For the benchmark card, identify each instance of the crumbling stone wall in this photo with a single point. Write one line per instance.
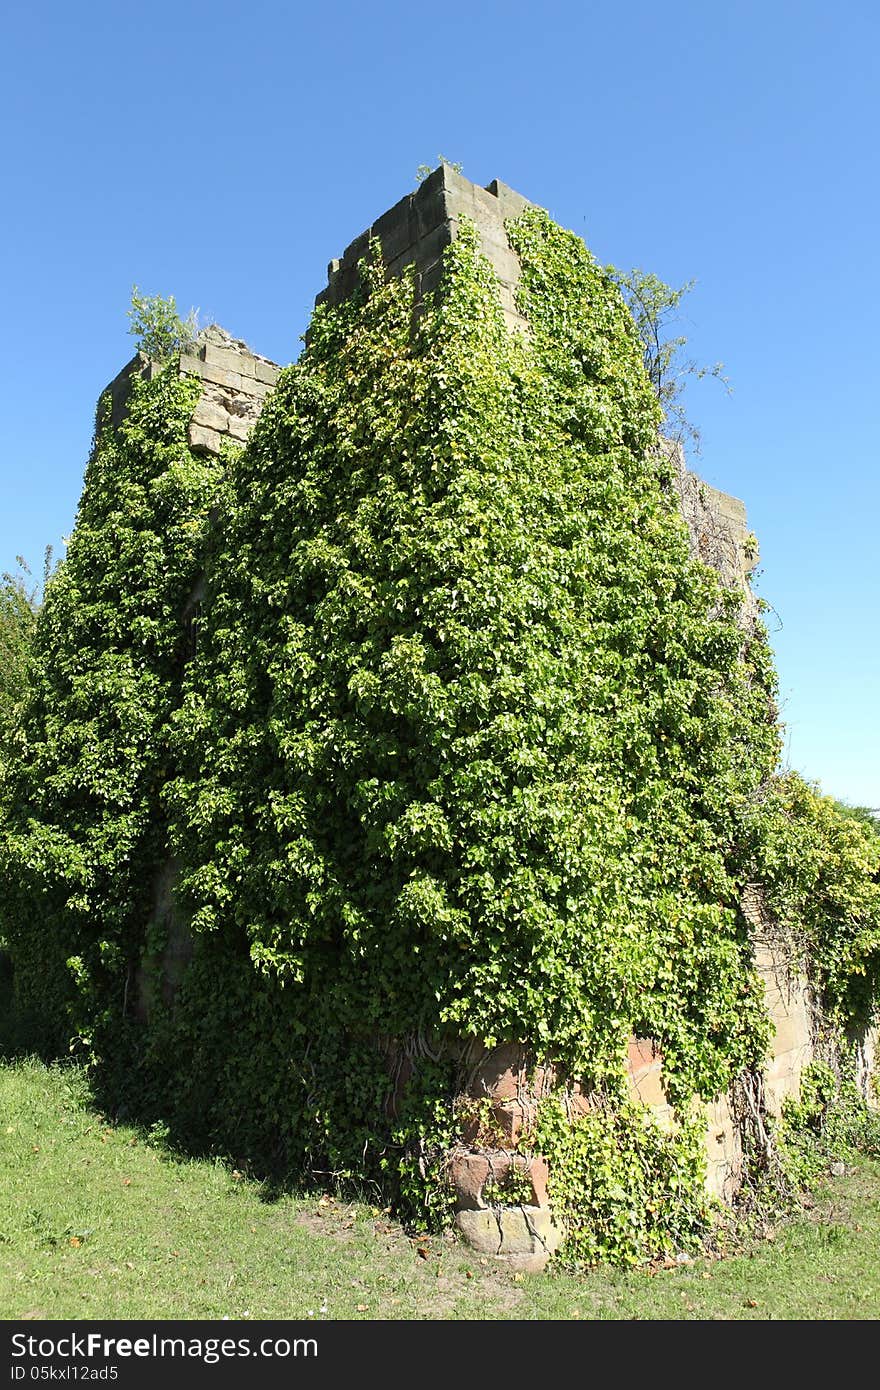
(235, 384)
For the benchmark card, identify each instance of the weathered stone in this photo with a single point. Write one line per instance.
(645, 1073)
(469, 1173)
(539, 1175)
(266, 371)
(191, 366)
(210, 371)
(480, 1229)
(723, 1149)
(516, 1232)
(509, 1118)
(239, 427)
(209, 440)
(418, 228)
(217, 356)
(394, 230)
(211, 415)
(478, 1177)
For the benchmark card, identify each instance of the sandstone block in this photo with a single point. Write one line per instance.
(512, 1231)
(191, 366)
(205, 439)
(240, 427)
(481, 1231)
(212, 415)
(508, 1116)
(394, 230)
(217, 356)
(469, 1173)
(792, 1034)
(429, 205)
(479, 1176)
(645, 1074)
(218, 376)
(510, 203)
(266, 371)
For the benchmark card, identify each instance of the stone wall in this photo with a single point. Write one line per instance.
(235, 383)
(416, 231)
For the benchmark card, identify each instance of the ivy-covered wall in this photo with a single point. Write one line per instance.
(467, 748)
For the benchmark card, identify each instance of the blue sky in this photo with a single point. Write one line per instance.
(224, 153)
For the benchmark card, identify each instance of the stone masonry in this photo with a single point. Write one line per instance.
(416, 231)
(235, 384)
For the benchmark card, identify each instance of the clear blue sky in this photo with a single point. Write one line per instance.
(224, 153)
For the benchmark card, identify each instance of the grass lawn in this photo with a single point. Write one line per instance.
(97, 1221)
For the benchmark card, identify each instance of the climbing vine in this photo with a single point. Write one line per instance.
(821, 867)
(82, 831)
(469, 749)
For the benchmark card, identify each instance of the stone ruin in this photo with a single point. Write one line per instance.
(235, 384)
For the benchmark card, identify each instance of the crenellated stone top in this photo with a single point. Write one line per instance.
(418, 229)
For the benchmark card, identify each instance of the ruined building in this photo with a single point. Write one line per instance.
(499, 1082)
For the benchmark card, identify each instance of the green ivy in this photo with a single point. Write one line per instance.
(829, 1121)
(471, 748)
(83, 833)
(623, 1188)
(821, 867)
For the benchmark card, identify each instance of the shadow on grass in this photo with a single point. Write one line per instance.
(24, 1035)
(21, 1034)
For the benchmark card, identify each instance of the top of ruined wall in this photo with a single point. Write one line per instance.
(718, 529)
(235, 383)
(415, 233)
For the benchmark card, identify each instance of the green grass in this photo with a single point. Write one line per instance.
(97, 1220)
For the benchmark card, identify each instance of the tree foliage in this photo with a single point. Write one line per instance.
(654, 306)
(821, 867)
(158, 326)
(83, 832)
